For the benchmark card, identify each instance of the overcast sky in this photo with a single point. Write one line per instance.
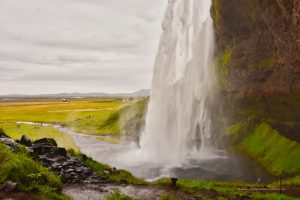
(53, 46)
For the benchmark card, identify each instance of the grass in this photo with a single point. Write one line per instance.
(93, 116)
(221, 190)
(35, 132)
(167, 197)
(128, 119)
(56, 111)
(233, 129)
(29, 175)
(85, 116)
(277, 153)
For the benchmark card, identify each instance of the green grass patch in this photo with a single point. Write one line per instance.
(30, 175)
(128, 119)
(234, 129)
(168, 197)
(222, 189)
(277, 153)
(292, 181)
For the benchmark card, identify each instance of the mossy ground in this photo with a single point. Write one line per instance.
(29, 175)
(275, 152)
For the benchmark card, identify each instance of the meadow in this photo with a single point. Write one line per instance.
(86, 115)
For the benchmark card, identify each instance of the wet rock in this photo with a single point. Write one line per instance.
(46, 141)
(41, 149)
(9, 186)
(25, 141)
(174, 181)
(69, 170)
(87, 171)
(9, 142)
(60, 151)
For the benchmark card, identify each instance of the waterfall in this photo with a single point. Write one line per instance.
(178, 123)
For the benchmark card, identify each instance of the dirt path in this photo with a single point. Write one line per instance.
(95, 192)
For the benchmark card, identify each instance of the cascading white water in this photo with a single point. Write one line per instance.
(178, 124)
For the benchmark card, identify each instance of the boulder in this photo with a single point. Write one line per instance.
(41, 149)
(8, 142)
(46, 141)
(25, 141)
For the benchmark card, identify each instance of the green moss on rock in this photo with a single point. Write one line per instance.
(217, 15)
(265, 63)
(223, 61)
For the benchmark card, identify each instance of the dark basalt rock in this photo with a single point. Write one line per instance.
(9, 142)
(46, 141)
(45, 150)
(9, 186)
(25, 141)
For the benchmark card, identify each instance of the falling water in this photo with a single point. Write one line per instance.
(178, 124)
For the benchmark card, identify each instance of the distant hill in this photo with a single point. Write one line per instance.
(140, 93)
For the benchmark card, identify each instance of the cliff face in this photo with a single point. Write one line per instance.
(258, 44)
(258, 62)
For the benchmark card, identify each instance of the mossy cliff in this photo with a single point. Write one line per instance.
(258, 61)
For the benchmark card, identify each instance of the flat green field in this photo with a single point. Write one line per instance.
(86, 116)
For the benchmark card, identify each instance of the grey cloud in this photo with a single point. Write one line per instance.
(90, 45)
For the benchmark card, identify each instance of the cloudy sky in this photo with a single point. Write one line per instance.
(53, 46)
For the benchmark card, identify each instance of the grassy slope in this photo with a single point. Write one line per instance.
(272, 150)
(30, 175)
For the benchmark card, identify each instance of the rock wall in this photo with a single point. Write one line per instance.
(258, 65)
(258, 46)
